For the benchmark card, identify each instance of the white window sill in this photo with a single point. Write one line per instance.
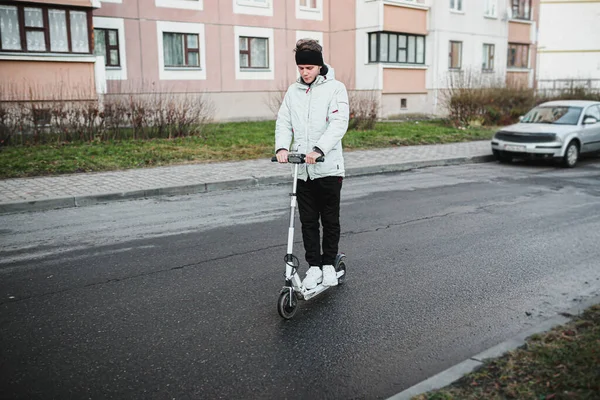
(181, 4)
(308, 9)
(407, 4)
(521, 21)
(490, 16)
(252, 4)
(249, 8)
(487, 71)
(85, 58)
(403, 66)
(512, 69)
(457, 12)
(183, 69)
(265, 70)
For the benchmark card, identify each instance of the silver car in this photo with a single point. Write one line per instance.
(558, 129)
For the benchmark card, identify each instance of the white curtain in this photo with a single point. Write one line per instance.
(173, 49)
(58, 30)
(9, 26)
(36, 40)
(99, 44)
(34, 17)
(79, 32)
(259, 53)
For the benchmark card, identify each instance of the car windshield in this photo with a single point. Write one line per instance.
(559, 115)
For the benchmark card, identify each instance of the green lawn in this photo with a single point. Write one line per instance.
(221, 142)
(561, 364)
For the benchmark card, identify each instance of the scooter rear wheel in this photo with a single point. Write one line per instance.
(341, 266)
(287, 308)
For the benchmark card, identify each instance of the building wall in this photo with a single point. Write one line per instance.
(23, 80)
(218, 23)
(48, 76)
(573, 51)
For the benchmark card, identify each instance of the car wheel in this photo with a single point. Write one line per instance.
(571, 155)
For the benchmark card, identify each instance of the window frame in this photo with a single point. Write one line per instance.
(518, 5)
(110, 47)
(450, 67)
(488, 6)
(249, 53)
(186, 51)
(378, 35)
(455, 8)
(309, 8)
(46, 29)
(518, 45)
(490, 59)
(181, 73)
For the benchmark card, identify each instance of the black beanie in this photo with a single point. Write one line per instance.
(309, 57)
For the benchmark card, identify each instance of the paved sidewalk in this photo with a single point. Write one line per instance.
(43, 193)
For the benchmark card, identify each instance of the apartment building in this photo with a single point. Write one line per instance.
(239, 52)
(569, 44)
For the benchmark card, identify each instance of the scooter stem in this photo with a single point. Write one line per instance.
(290, 244)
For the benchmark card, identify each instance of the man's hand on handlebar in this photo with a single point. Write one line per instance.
(282, 156)
(311, 158)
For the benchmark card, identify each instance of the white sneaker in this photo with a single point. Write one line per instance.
(313, 277)
(329, 276)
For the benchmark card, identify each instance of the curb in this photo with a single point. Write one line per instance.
(454, 373)
(92, 199)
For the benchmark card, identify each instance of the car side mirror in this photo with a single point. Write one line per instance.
(521, 118)
(590, 121)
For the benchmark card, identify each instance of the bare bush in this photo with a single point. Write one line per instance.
(62, 118)
(364, 109)
(274, 99)
(473, 97)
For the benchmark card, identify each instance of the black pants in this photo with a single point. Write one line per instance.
(320, 199)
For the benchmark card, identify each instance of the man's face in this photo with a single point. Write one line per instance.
(308, 72)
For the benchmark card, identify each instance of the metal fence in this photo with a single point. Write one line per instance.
(557, 86)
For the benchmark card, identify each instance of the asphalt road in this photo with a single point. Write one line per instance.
(175, 298)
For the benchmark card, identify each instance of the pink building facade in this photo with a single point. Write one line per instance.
(238, 52)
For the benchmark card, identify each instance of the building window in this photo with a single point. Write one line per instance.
(254, 52)
(106, 44)
(456, 5)
(491, 7)
(455, 55)
(181, 50)
(521, 9)
(488, 57)
(518, 55)
(44, 29)
(309, 9)
(396, 48)
(309, 4)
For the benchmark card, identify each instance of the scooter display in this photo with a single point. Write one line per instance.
(293, 290)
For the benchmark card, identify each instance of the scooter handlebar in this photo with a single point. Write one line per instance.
(296, 158)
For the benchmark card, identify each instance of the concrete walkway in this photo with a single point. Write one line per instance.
(76, 190)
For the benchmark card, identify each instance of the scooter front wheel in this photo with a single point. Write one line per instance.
(287, 305)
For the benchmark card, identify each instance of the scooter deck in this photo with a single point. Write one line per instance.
(309, 294)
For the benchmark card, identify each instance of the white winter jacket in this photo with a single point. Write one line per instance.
(315, 116)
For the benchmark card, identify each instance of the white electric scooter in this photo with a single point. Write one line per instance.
(293, 289)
